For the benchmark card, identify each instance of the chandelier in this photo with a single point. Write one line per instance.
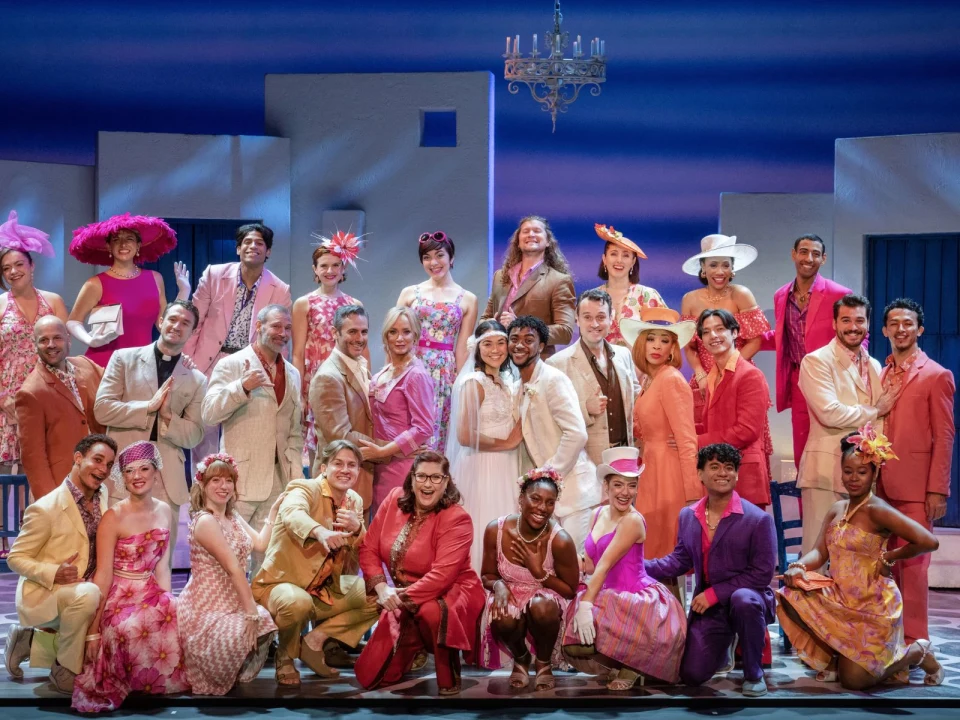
(555, 81)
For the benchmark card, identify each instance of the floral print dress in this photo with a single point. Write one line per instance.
(320, 343)
(637, 298)
(19, 358)
(139, 645)
(439, 327)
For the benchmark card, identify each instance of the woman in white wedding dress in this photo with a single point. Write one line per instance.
(484, 434)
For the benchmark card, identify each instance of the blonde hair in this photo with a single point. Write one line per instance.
(198, 495)
(639, 352)
(394, 314)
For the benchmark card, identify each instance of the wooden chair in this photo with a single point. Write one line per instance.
(779, 490)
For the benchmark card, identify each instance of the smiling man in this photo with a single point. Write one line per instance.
(55, 407)
(842, 387)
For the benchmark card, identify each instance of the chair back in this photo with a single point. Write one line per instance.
(14, 495)
(779, 490)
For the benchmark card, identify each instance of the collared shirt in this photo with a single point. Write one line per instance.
(357, 368)
(165, 369)
(277, 373)
(516, 281)
(716, 374)
(238, 336)
(321, 584)
(610, 387)
(862, 362)
(69, 378)
(91, 521)
(735, 506)
(795, 328)
(895, 376)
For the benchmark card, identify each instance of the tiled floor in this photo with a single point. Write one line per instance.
(789, 680)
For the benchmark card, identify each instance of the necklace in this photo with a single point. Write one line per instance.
(722, 295)
(531, 542)
(714, 526)
(845, 520)
(124, 276)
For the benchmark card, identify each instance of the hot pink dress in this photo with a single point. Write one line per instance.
(320, 343)
(139, 645)
(19, 358)
(139, 298)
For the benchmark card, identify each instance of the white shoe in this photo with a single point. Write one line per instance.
(19, 639)
(754, 688)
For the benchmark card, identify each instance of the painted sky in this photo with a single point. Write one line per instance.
(702, 97)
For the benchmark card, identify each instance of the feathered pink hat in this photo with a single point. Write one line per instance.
(89, 244)
(24, 238)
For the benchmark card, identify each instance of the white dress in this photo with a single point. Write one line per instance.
(486, 480)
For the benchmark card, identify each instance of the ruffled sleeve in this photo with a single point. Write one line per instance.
(753, 324)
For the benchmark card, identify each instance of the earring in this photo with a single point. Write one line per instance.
(732, 274)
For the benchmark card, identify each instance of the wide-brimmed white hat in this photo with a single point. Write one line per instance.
(658, 318)
(721, 246)
(624, 461)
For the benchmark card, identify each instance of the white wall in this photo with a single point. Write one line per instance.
(355, 145)
(771, 222)
(885, 185)
(56, 199)
(198, 177)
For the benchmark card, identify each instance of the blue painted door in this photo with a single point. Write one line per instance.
(925, 268)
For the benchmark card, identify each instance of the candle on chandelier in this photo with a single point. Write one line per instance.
(578, 48)
(557, 46)
(516, 45)
(508, 45)
(534, 43)
(603, 47)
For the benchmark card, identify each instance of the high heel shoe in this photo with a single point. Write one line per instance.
(935, 677)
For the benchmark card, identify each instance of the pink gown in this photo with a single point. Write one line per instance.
(139, 645)
(139, 299)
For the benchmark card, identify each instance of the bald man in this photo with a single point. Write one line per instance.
(55, 407)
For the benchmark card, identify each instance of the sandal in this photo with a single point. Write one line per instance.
(625, 680)
(287, 674)
(455, 690)
(520, 677)
(544, 679)
(829, 673)
(419, 661)
(935, 677)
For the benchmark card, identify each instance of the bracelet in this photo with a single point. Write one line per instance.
(545, 577)
(797, 564)
(267, 522)
(253, 617)
(888, 563)
(92, 636)
(698, 376)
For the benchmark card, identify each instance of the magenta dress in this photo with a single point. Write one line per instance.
(493, 654)
(403, 411)
(139, 645)
(320, 343)
(639, 623)
(140, 299)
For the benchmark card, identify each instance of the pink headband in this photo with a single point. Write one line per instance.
(626, 466)
(14, 236)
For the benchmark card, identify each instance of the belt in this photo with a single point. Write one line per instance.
(132, 575)
(230, 350)
(433, 345)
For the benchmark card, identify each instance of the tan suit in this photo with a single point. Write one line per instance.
(343, 413)
(546, 294)
(295, 561)
(51, 533)
(51, 423)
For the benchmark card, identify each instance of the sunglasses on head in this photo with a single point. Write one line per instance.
(439, 236)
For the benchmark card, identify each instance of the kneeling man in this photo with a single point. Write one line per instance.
(729, 543)
(55, 556)
(310, 570)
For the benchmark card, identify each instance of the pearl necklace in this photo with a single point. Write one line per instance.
(122, 276)
(539, 534)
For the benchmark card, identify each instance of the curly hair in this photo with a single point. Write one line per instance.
(407, 502)
(904, 304)
(721, 452)
(552, 256)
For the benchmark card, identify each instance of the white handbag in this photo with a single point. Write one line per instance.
(106, 321)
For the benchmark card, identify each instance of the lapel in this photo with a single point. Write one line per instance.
(353, 384)
(780, 312)
(292, 384)
(69, 508)
(582, 364)
(915, 368)
(227, 294)
(531, 280)
(527, 402)
(817, 291)
(725, 524)
(626, 385)
(723, 384)
(148, 366)
(267, 392)
(848, 365)
(54, 382)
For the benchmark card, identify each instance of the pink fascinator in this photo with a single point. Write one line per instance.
(89, 244)
(14, 236)
(546, 472)
(135, 452)
(345, 245)
(872, 446)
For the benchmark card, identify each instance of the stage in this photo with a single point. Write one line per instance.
(791, 685)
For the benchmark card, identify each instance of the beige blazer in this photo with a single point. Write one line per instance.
(128, 385)
(574, 363)
(256, 431)
(52, 531)
(839, 403)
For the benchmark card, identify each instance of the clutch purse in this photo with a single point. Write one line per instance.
(106, 320)
(813, 581)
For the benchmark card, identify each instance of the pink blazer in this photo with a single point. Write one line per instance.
(921, 428)
(819, 330)
(214, 298)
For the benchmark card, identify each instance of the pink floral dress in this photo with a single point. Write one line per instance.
(320, 343)
(19, 358)
(637, 298)
(139, 645)
(439, 327)
(211, 617)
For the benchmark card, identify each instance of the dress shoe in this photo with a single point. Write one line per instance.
(62, 678)
(19, 639)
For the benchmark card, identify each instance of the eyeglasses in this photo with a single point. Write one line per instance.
(423, 478)
(439, 236)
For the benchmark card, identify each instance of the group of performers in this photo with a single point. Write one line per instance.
(408, 517)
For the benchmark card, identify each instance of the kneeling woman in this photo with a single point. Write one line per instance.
(224, 633)
(530, 582)
(625, 621)
(132, 643)
(423, 536)
(852, 630)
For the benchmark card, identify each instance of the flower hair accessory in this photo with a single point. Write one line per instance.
(210, 460)
(547, 472)
(345, 245)
(872, 446)
(14, 236)
(473, 341)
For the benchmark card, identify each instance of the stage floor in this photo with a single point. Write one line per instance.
(790, 682)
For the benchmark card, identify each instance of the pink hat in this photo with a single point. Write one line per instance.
(89, 244)
(14, 236)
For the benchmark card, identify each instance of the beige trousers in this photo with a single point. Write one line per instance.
(255, 513)
(577, 525)
(816, 505)
(76, 606)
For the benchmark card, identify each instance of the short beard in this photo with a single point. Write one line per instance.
(532, 359)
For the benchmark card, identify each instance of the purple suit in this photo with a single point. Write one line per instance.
(740, 565)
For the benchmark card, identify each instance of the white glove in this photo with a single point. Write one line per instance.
(583, 623)
(76, 328)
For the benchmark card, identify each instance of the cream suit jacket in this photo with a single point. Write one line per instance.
(554, 434)
(574, 363)
(839, 403)
(128, 385)
(255, 429)
(52, 531)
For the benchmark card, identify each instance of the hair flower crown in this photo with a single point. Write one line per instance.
(547, 472)
(873, 446)
(210, 460)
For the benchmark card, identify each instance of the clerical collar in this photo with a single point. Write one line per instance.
(161, 356)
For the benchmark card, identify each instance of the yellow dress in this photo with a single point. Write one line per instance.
(860, 616)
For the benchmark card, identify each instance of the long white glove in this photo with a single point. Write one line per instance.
(76, 328)
(583, 623)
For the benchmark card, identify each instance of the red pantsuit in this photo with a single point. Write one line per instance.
(428, 559)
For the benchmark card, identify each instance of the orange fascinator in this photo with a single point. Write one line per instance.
(617, 238)
(872, 446)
